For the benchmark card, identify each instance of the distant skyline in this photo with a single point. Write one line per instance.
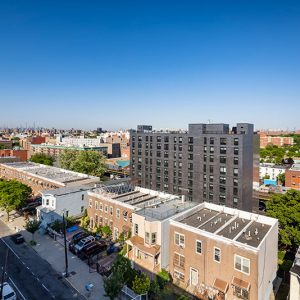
(116, 64)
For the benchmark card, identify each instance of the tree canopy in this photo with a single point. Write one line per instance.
(286, 208)
(41, 158)
(88, 162)
(13, 195)
(32, 226)
(275, 154)
(141, 284)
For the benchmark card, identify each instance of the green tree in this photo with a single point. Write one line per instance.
(32, 226)
(106, 231)
(113, 285)
(286, 208)
(88, 162)
(141, 284)
(13, 195)
(163, 277)
(281, 178)
(85, 220)
(2, 146)
(41, 158)
(154, 291)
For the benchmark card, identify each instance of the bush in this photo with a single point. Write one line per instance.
(154, 290)
(163, 277)
(141, 285)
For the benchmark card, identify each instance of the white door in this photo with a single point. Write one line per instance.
(193, 276)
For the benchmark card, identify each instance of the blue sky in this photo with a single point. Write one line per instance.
(116, 64)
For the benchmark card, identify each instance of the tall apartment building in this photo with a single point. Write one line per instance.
(209, 162)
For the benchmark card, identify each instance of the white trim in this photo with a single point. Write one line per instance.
(196, 247)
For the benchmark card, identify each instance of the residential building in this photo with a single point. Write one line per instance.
(70, 201)
(271, 170)
(223, 253)
(20, 155)
(25, 142)
(41, 177)
(56, 150)
(292, 177)
(295, 278)
(209, 162)
(280, 141)
(79, 141)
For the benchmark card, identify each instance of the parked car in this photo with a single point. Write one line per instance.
(18, 238)
(92, 249)
(75, 239)
(83, 242)
(8, 292)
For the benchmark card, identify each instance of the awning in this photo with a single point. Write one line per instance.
(139, 243)
(240, 283)
(221, 285)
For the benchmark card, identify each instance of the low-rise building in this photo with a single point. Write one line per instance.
(223, 253)
(56, 150)
(7, 144)
(280, 141)
(41, 177)
(292, 177)
(271, 170)
(71, 201)
(20, 155)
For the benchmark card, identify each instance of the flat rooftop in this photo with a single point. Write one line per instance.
(243, 227)
(149, 203)
(67, 190)
(295, 167)
(52, 173)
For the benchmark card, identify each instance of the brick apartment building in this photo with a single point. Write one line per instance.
(19, 155)
(209, 162)
(209, 250)
(42, 177)
(292, 177)
(279, 141)
(27, 141)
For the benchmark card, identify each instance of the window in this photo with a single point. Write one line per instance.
(82, 209)
(223, 150)
(242, 264)
(96, 205)
(211, 140)
(223, 141)
(205, 140)
(222, 159)
(222, 180)
(136, 229)
(235, 201)
(190, 147)
(236, 161)
(153, 238)
(82, 197)
(235, 182)
(236, 151)
(179, 239)
(198, 247)
(178, 275)
(235, 172)
(240, 293)
(191, 140)
(179, 260)
(211, 158)
(236, 141)
(147, 237)
(118, 213)
(211, 169)
(217, 254)
(106, 208)
(90, 203)
(211, 149)
(223, 170)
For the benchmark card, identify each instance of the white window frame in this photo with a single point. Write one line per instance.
(198, 241)
(242, 260)
(191, 268)
(180, 244)
(106, 209)
(111, 210)
(118, 212)
(96, 205)
(218, 261)
(101, 206)
(90, 202)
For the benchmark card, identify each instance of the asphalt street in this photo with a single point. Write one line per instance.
(31, 276)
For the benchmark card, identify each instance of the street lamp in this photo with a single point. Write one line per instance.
(65, 243)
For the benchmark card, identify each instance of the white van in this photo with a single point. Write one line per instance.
(83, 243)
(8, 292)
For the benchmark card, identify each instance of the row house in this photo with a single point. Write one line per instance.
(222, 253)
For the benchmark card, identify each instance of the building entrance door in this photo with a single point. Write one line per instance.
(193, 276)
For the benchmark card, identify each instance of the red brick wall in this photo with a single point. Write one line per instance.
(292, 179)
(21, 154)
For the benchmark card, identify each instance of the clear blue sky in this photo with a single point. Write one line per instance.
(115, 64)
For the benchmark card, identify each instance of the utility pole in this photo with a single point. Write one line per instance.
(65, 243)
(3, 274)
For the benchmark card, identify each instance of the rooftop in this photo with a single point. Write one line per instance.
(295, 167)
(240, 226)
(49, 173)
(69, 147)
(67, 190)
(149, 203)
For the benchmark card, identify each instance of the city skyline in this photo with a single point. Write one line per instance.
(87, 65)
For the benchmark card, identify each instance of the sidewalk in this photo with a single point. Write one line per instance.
(53, 252)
